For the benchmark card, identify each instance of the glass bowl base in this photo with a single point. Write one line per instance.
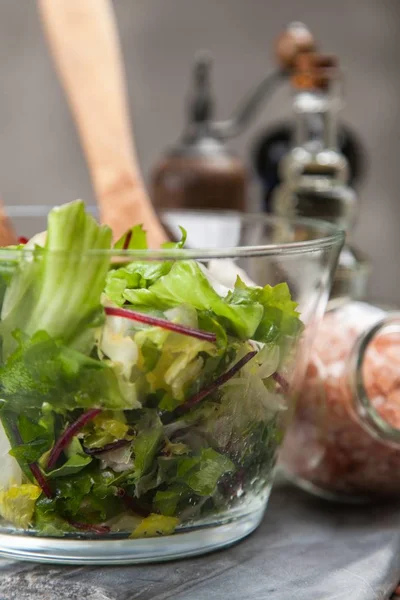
(189, 542)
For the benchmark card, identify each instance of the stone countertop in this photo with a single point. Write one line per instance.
(305, 549)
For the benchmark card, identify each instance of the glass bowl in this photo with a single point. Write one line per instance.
(144, 394)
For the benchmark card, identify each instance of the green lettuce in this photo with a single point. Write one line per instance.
(187, 284)
(44, 294)
(280, 317)
(147, 442)
(41, 369)
(17, 504)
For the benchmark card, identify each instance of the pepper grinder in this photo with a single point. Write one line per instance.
(199, 172)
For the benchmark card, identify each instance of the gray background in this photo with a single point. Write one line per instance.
(40, 158)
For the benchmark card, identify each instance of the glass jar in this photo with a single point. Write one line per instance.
(343, 443)
(144, 394)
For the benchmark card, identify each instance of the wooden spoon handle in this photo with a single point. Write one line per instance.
(8, 237)
(84, 41)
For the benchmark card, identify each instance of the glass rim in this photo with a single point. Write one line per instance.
(328, 235)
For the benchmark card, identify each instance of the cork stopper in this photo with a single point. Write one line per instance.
(313, 71)
(294, 41)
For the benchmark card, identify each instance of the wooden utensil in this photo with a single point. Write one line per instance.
(84, 42)
(8, 236)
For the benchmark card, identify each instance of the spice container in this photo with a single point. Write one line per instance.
(199, 171)
(344, 441)
(315, 173)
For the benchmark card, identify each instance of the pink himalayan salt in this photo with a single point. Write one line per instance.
(326, 445)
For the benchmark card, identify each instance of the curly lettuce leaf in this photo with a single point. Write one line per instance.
(106, 428)
(202, 473)
(167, 501)
(138, 274)
(187, 284)
(280, 317)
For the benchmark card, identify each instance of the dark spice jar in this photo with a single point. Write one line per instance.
(199, 172)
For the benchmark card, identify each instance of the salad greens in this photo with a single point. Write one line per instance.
(134, 397)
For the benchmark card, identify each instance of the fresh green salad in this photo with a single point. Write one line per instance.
(134, 397)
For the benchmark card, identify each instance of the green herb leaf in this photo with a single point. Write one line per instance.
(167, 501)
(73, 465)
(147, 442)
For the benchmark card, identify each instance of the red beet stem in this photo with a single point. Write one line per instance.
(280, 380)
(163, 323)
(23, 240)
(41, 479)
(107, 447)
(127, 240)
(217, 383)
(69, 433)
(100, 529)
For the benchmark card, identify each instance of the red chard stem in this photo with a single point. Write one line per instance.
(163, 323)
(69, 433)
(217, 383)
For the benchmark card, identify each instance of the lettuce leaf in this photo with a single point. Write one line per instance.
(280, 317)
(106, 428)
(72, 466)
(134, 239)
(202, 473)
(138, 274)
(155, 525)
(44, 294)
(147, 442)
(187, 284)
(17, 504)
(42, 370)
